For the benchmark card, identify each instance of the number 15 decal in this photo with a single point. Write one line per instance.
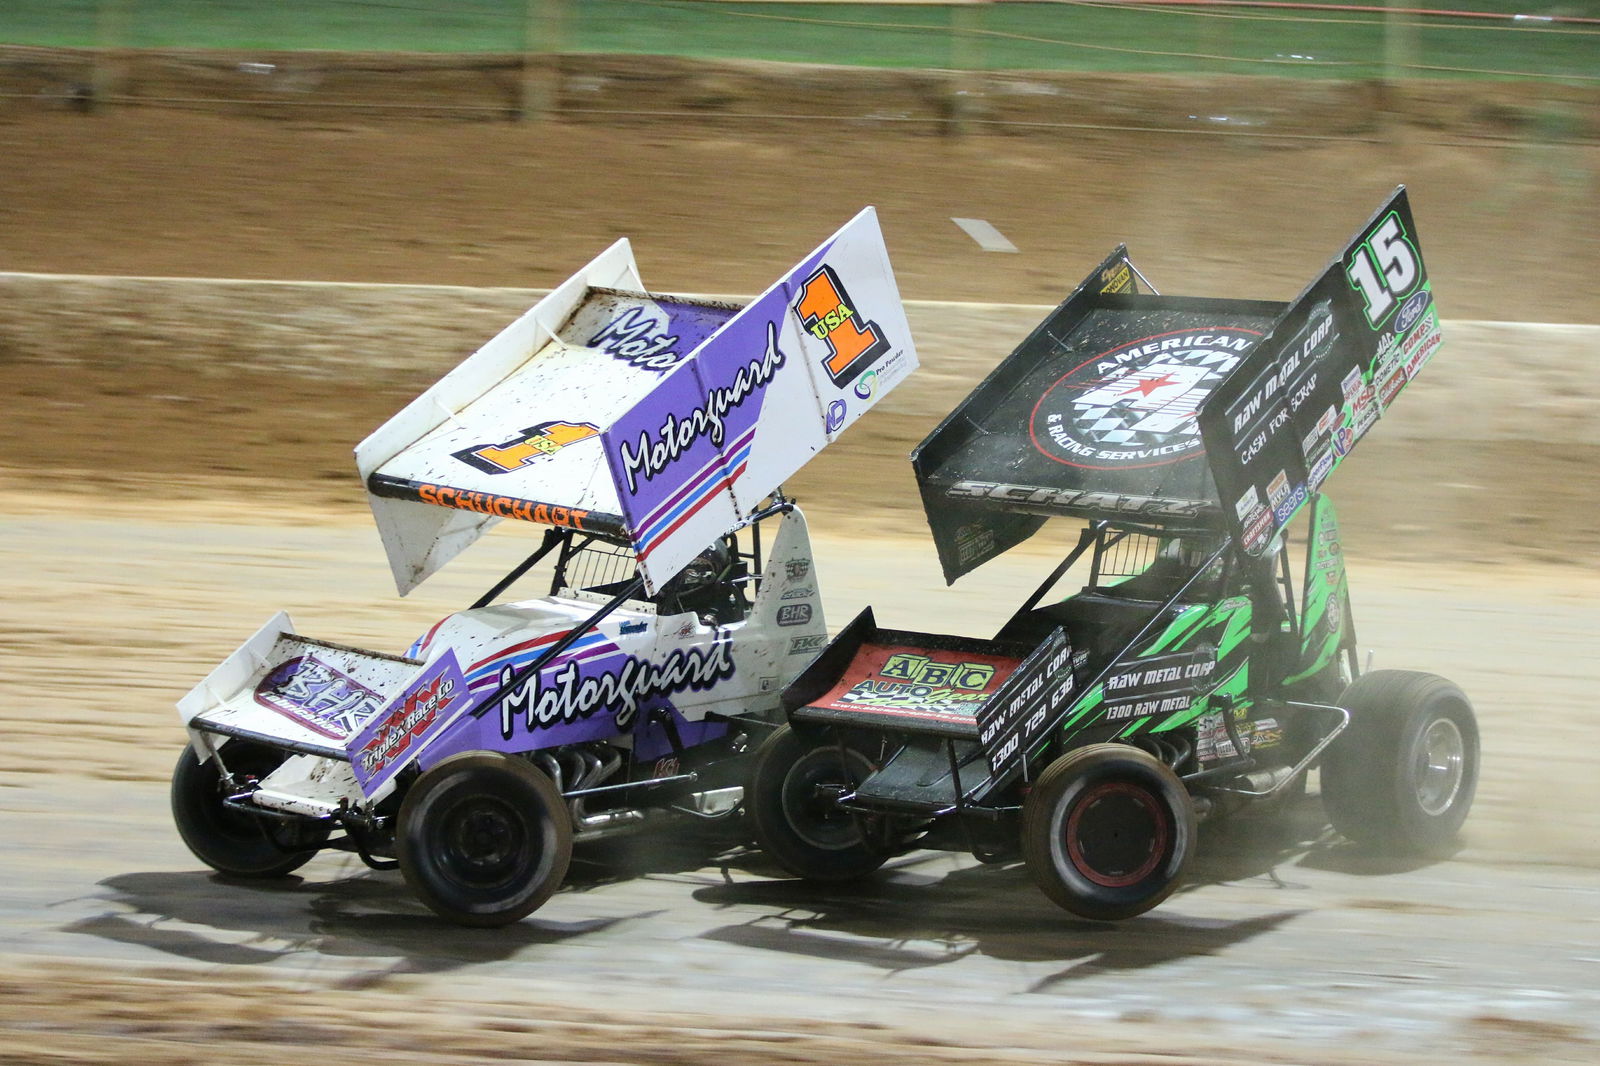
(828, 313)
(1383, 269)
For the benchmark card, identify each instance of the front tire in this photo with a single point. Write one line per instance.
(1107, 831)
(484, 839)
(1402, 778)
(232, 841)
(792, 804)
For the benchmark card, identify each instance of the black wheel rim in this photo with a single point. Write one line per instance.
(811, 791)
(484, 843)
(1118, 833)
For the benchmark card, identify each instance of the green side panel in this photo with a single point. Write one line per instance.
(1323, 598)
(1223, 626)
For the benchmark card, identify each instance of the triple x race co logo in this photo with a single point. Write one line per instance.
(828, 313)
(535, 442)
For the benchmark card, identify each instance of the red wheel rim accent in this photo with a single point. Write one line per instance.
(1160, 831)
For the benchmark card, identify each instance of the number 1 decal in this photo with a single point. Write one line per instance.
(1383, 269)
(827, 312)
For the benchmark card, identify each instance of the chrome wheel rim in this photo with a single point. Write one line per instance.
(1439, 761)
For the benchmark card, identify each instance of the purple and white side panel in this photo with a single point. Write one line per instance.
(766, 392)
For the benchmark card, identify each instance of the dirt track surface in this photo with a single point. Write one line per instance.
(1286, 947)
(131, 575)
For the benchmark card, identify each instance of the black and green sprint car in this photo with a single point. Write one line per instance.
(1209, 659)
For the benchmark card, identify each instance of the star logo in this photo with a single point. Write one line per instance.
(1145, 386)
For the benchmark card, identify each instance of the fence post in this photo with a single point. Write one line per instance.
(1399, 53)
(541, 63)
(966, 59)
(111, 21)
(1399, 41)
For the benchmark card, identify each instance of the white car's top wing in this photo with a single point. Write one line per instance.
(660, 421)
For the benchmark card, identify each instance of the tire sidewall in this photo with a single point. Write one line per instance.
(1077, 779)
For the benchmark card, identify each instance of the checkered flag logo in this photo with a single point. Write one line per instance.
(1136, 412)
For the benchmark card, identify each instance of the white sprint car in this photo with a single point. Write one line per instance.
(650, 436)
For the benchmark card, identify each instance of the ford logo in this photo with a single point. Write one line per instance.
(1411, 311)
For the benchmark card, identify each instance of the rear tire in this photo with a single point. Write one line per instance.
(233, 841)
(791, 802)
(1402, 777)
(1107, 831)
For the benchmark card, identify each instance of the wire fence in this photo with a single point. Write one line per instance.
(541, 53)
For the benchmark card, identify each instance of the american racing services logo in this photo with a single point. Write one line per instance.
(828, 314)
(1135, 405)
(533, 443)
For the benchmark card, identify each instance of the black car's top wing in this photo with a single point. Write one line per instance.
(1092, 415)
(1180, 412)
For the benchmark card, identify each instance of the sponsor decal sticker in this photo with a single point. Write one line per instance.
(1135, 405)
(577, 690)
(796, 569)
(866, 385)
(1420, 346)
(1411, 310)
(1031, 497)
(1351, 383)
(915, 683)
(1344, 440)
(836, 413)
(826, 312)
(1117, 278)
(1308, 444)
(319, 696)
(1213, 740)
(1285, 509)
(1247, 505)
(1159, 684)
(678, 433)
(530, 445)
(638, 338)
(794, 614)
(1320, 467)
(385, 744)
(1278, 488)
(799, 645)
(1257, 529)
(1391, 388)
(805, 592)
(1367, 410)
(490, 503)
